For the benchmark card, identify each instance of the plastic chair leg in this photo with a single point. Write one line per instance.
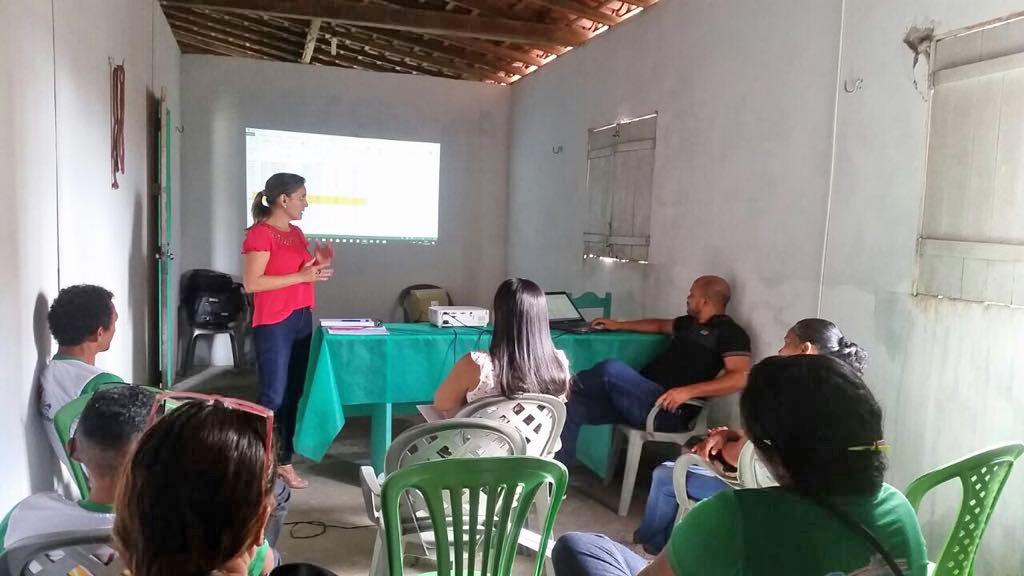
(190, 354)
(234, 349)
(378, 563)
(635, 445)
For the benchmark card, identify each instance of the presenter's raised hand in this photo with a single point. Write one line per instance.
(605, 324)
(324, 253)
(313, 272)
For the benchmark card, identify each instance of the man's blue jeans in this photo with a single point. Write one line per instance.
(585, 554)
(612, 392)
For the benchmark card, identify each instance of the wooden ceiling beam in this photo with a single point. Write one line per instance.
(216, 45)
(475, 66)
(394, 18)
(277, 49)
(641, 3)
(495, 50)
(456, 67)
(207, 47)
(579, 9)
(314, 31)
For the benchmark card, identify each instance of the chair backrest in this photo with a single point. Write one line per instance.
(77, 546)
(64, 422)
(590, 300)
(506, 486)
(538, 417)
(982, 476)
(416, 311)
(453, 438)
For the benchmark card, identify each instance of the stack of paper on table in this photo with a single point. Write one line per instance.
(368, 331)
(348, 322)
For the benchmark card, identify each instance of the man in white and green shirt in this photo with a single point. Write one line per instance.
(107, 431)
(82, 319)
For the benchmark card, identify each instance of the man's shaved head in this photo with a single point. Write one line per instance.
(714, 288)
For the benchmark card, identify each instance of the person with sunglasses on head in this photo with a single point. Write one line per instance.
(280, 272)
(819, 429)
(725, 446)
(107, 431)
(197, 492)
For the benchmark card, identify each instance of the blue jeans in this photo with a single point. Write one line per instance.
(282, 495)
(282, 353)
(612, 392)
(585, 554)
(660, 513)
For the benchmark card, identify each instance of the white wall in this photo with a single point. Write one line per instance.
(948, 373)
(222, 96)
(27, 159)
(746, 93)
(68, 226)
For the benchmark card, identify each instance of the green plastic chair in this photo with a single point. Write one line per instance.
(982, 477)
(64, 421)
(507, 487)
(590, 300)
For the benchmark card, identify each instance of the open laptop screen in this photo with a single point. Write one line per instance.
(561, 308)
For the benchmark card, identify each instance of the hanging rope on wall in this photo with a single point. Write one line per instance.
(116, 121)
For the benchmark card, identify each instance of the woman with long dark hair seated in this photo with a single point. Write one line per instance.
(819, 429)
(197, 492)
(522, 357)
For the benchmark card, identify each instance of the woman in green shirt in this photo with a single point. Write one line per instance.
(819, 428)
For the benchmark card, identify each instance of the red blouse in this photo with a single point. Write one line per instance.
(288, 253)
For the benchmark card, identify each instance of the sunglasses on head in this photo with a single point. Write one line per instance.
(167, 401)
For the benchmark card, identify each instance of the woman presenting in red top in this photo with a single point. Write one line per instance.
(279, 273)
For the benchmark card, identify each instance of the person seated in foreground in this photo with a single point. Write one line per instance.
(82, 320)
(725, 446)
(819, 428)
(522, 357)
(107, 431)
(197, 491)
(709, 355)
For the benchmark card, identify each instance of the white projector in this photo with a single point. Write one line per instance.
(442, 316)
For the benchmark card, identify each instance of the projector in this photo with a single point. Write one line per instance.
(442, 316)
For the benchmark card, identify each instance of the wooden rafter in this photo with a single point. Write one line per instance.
(436, 57)
(314, 31)
(579, 9)
(440, 47)
(417, 20)
(275, 48)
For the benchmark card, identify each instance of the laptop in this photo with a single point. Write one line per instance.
(563, 315)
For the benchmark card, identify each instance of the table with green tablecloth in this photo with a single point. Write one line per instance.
(374, 373)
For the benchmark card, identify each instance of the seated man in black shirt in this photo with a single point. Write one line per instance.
(704, 343)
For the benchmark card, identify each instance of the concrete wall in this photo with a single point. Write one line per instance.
(470, 120)
(67, 225)
(947, 372)
(747, 98)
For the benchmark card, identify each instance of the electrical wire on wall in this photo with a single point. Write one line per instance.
(116, 121)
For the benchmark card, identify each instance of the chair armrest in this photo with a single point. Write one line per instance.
(679, 479)
(371, 492)
(649, 428)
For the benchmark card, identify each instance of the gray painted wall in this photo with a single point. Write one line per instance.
(747, 96)
(56, 155)
(222, 96)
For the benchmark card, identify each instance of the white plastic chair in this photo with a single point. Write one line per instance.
(636, 438)
(539, 418)
(454, 438)
(750, 473)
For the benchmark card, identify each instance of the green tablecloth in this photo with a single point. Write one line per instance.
(407, 365)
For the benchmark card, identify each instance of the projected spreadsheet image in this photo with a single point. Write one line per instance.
(357, 188)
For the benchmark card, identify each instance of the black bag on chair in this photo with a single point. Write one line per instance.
(211, 299)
